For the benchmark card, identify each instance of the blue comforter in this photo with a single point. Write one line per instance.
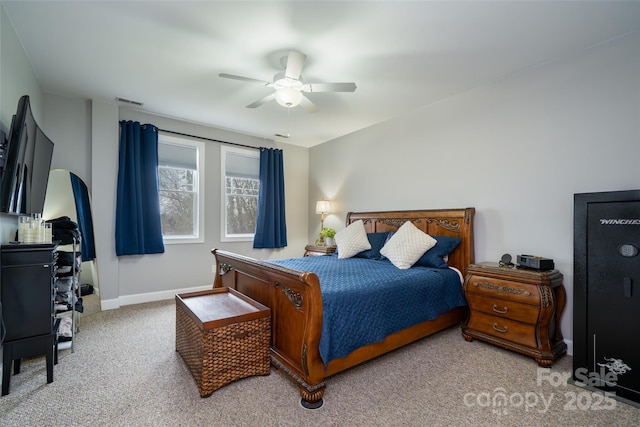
(365, 300)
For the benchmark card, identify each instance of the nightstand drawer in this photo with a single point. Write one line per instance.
(311, 250)
(504, 308)
(491, 287)
(506, 329)
(516, 308)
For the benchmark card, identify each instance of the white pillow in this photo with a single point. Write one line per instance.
(407, 245)
(352, 240)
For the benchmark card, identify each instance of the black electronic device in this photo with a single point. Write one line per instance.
(535, 262)
(26, 160)
(505, 261)
(3, 147)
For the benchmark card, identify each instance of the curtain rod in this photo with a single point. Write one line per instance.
(207, 139)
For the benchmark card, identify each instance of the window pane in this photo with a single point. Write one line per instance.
(177, 156)
(176, 179)
(242, 205)
(177, 201)
(244, 165)
(177, 213)
(241, 180)
(179, 169)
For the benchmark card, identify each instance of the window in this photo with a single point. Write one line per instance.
(180, 179)
(240, 185)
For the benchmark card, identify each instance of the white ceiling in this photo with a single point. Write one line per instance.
(401, 55)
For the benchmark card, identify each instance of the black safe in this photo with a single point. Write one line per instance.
(606, 292)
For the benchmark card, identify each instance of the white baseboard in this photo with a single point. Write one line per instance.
(569, 346)
(111, 304)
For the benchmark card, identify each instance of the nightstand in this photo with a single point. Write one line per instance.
(516, 308)
(312, 250)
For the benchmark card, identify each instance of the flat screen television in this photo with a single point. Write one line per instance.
(27, 160)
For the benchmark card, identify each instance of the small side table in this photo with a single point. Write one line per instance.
(313, 250)
(516, 308)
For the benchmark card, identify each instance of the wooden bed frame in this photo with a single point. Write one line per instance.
(296, 302)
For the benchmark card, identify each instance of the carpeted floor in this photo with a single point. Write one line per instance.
(125, 372)
(91, 304)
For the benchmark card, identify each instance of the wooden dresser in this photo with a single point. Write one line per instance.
(516, 308)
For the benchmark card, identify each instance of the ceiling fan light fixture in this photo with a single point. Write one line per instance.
(288, 97)
(289, 87)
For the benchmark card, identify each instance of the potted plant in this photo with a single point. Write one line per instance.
(326, 235)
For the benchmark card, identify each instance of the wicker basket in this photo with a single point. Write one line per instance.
(218, 350)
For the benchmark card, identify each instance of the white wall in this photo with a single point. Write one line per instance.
(104, 155)
(517, 151)
(67, 122)
(16, 79)
(16, 76)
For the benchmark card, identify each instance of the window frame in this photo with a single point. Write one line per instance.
(200, 191)
(224, 149)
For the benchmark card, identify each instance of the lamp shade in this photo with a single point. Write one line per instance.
(323, 207)
(288, 96)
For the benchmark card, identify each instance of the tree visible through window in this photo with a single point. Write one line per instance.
(242, 204)
(177, 201)
(181, 194)
(241, 182)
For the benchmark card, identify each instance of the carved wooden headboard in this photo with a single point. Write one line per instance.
(436, 222)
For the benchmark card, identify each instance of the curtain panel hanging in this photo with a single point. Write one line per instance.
(271, 227)
(85, 220)
(138, 224)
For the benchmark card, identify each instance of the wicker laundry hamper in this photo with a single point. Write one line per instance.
(223, 336)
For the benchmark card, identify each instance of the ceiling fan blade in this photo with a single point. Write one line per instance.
(261, 101)
(307, 105)
(295, 61)
(329, 87)
(245, 79)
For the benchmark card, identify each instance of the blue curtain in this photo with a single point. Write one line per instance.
(85, 220)
(271, 227)
(138, 225)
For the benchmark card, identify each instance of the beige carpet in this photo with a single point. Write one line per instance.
(91, 304)
(125, 372)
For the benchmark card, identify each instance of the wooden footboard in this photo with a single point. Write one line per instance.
(296, 309)
(295, 299)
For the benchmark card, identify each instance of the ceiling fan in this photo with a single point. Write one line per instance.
(289, 87)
